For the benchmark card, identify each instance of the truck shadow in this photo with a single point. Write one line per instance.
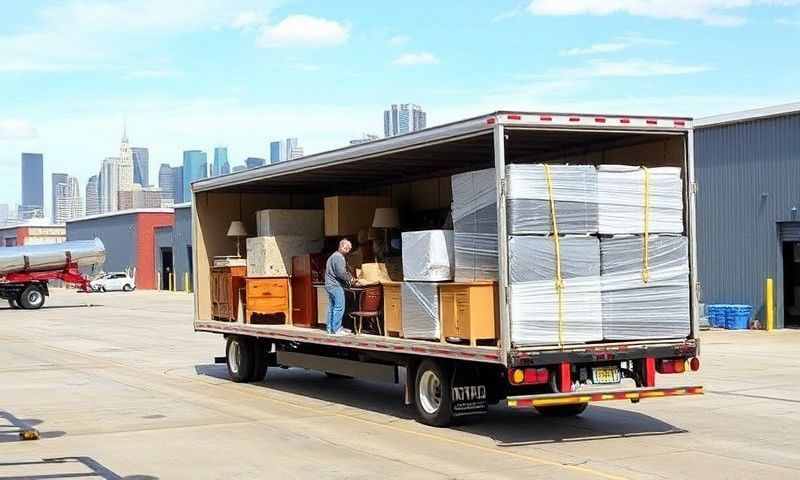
(504, 425)
(91, 469)
(11, 427)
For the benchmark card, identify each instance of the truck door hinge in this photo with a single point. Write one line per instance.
(694, 187)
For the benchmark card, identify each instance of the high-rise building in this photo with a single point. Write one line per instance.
(69, 204)
(195, 167)
(293, 149)
(253, 162)
(239, 168)
(282, 150)
(4, 211)
(364, 139)
(93, 195)
(57, 179)
(32, 186)
(403, 118)
(277, 152)
(177, 185)
(109, 185)
(220, 165)
(141, 166)
(166, 183)
(140, 197)
(125, 163)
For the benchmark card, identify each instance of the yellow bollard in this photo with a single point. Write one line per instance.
(186, 282)
(770, 305)
(158, 281)
(171, 282)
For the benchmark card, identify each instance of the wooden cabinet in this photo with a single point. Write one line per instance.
(225, 285)
(393, 309)
(468, 311)
(305, 272)
(322, 304)
(267, 300)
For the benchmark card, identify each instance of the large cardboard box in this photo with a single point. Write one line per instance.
(346, 215)
(272, 256)
(278, 221)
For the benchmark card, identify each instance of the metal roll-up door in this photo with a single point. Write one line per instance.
(789, 231)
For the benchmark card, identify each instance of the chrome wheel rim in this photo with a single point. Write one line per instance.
(430, 392)
(34, 298)
(234, 355)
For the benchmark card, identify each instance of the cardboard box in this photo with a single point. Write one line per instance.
(346, 215)
(305, 223)
(272, 256)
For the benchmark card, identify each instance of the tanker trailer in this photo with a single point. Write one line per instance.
(25, 270)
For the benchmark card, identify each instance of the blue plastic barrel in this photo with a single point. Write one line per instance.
(738, 317)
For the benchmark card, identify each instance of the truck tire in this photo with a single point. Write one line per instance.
(239, 358)
(259, 361)
(432, 394)
(32, 298)
(12, 302)
(562, 410)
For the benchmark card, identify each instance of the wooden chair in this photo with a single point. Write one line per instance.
(369, 309)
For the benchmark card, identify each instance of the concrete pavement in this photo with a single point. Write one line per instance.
(125, 389)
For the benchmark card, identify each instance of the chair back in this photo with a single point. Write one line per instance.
(371, 299)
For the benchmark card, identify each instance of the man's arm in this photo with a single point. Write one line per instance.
(340, 270)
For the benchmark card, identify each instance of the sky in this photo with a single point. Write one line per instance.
(240, 73)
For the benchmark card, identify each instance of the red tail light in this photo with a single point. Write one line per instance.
(694, 364)
(528, 376)
(672, 365)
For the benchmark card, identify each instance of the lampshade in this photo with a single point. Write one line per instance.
(237, 229)
(386, 218)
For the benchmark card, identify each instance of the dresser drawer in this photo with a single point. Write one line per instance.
(267, 288)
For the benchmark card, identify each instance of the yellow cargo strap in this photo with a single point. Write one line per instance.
(559, 280)
(646, 238)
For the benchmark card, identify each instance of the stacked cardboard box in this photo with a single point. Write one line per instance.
(347, 215)
(635, 309)
(621, 196)
(428, 255)
(305, 223)
(272, 256)
(539, 315)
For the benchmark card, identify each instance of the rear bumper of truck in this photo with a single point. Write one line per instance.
(571, 398)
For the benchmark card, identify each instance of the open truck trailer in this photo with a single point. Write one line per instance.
(445, 380)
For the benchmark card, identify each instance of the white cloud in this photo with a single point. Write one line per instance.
(12, 129)
(617, 45)
(420, 58)
(632, 68)
(399, 40)
(248, 20)
(507, 14)
(710, 12)
(304, 31)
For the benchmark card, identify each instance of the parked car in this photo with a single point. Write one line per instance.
(114, 281)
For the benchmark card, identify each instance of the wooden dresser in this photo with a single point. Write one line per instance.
(267, 300)
(469, 311)
(306, 271)
(392, 309)
(225, 285)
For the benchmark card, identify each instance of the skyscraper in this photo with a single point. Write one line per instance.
(166, 183)
(220, 165)
(277, 152)
(4, 211)
(253, 162)
(57, 179)
(195, 167)
(109, 185)
(93, 195)
(69, 204)
(177, 179)
(125, 163)
(403, 118)
(32, 186)
(293, 149)
(141, 166)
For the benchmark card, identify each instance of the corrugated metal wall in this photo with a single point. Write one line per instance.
(748, 178)
(181, 247)
(118, 234)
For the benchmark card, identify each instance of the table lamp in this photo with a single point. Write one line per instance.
(237, 231)
(386, 218)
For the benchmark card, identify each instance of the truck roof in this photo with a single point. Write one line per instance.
(464, 131)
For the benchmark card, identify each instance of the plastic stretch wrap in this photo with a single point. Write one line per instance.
(534, 299)
(633, 309)
(533, 258)
(475, 225)
(574, 191)
(51, 256)
(420, 310)
(428, 255)
(621, 197)
(535, 315)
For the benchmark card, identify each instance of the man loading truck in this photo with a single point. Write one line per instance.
(337, 278)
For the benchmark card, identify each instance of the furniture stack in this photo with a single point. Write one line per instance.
(475, 225)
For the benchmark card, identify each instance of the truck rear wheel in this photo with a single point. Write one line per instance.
(12, 302)
(32, 298)
(562, 410)
(259, 361)
(432, 395)
(239, 356)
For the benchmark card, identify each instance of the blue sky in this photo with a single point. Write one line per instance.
(242, 72)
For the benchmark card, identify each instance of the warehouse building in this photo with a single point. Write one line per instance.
(173, 261)
(748, 173)
(31, 233)
(129, 237)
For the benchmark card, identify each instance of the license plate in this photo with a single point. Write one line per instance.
(605, 375)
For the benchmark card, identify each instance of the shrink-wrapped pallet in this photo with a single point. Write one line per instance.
(539, 315)
(475, 225)
(635, 309)
(272, 256)
(621, 192)
(574, 190)
(420, 310)
(305, 223)
(428, 255)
